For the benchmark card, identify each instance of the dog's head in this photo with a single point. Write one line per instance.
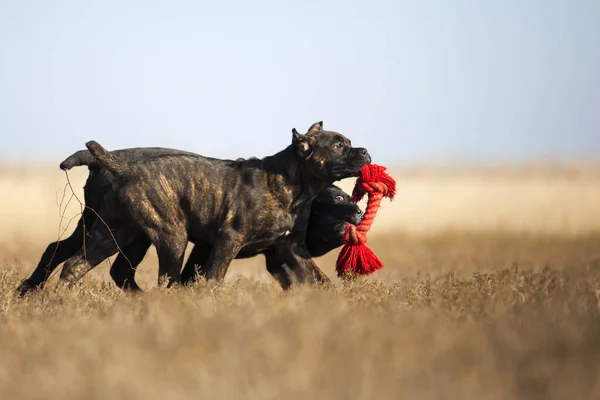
(327, 155)
(330, 214)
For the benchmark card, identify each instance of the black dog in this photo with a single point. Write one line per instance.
(330, 213)
(254, 205)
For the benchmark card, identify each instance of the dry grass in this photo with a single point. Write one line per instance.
(474, 311)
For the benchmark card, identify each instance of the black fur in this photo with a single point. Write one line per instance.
(330, 213)
(251, 206)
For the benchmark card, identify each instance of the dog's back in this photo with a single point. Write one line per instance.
(132, 155)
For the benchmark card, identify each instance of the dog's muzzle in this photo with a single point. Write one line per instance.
(357, 217)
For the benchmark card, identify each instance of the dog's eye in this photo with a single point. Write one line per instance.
(338, 145)
(339, 198)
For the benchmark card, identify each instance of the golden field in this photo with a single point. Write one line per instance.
(490, 290)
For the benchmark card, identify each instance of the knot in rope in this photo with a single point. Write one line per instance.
(374, 180)
(355, 234)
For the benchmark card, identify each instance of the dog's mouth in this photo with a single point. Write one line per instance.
(353, 219)
(340, 223)
(350, 170)
(357, 159)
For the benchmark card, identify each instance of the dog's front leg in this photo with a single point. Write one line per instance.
(226, 247)
(298, 259)
(279, 270)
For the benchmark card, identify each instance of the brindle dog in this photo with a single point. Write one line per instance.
(255, 205)
(330, 213)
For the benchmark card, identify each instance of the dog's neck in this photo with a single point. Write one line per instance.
(288, 165)
(290, 185)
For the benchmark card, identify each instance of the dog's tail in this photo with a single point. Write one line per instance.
(107, 160)
(79, 158)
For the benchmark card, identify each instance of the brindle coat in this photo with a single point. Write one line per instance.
(255, 205)
(331, 211)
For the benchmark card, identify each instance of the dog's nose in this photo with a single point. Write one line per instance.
(365, 154)
(358, 214)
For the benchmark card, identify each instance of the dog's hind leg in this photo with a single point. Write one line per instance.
(170, 260)
(123, 269)
(195, 266)
(102, 244)
(58, 252)
(170, 241)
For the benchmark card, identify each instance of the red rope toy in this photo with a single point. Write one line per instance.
(356, 258)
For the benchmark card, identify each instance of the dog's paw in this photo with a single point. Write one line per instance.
(24, 288)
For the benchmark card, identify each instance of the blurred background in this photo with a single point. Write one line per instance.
(415, 82)
(485, 112)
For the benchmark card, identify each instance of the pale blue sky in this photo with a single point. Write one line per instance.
(413, 81)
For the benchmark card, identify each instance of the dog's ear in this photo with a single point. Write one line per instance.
(301, 142)
(316, 127)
